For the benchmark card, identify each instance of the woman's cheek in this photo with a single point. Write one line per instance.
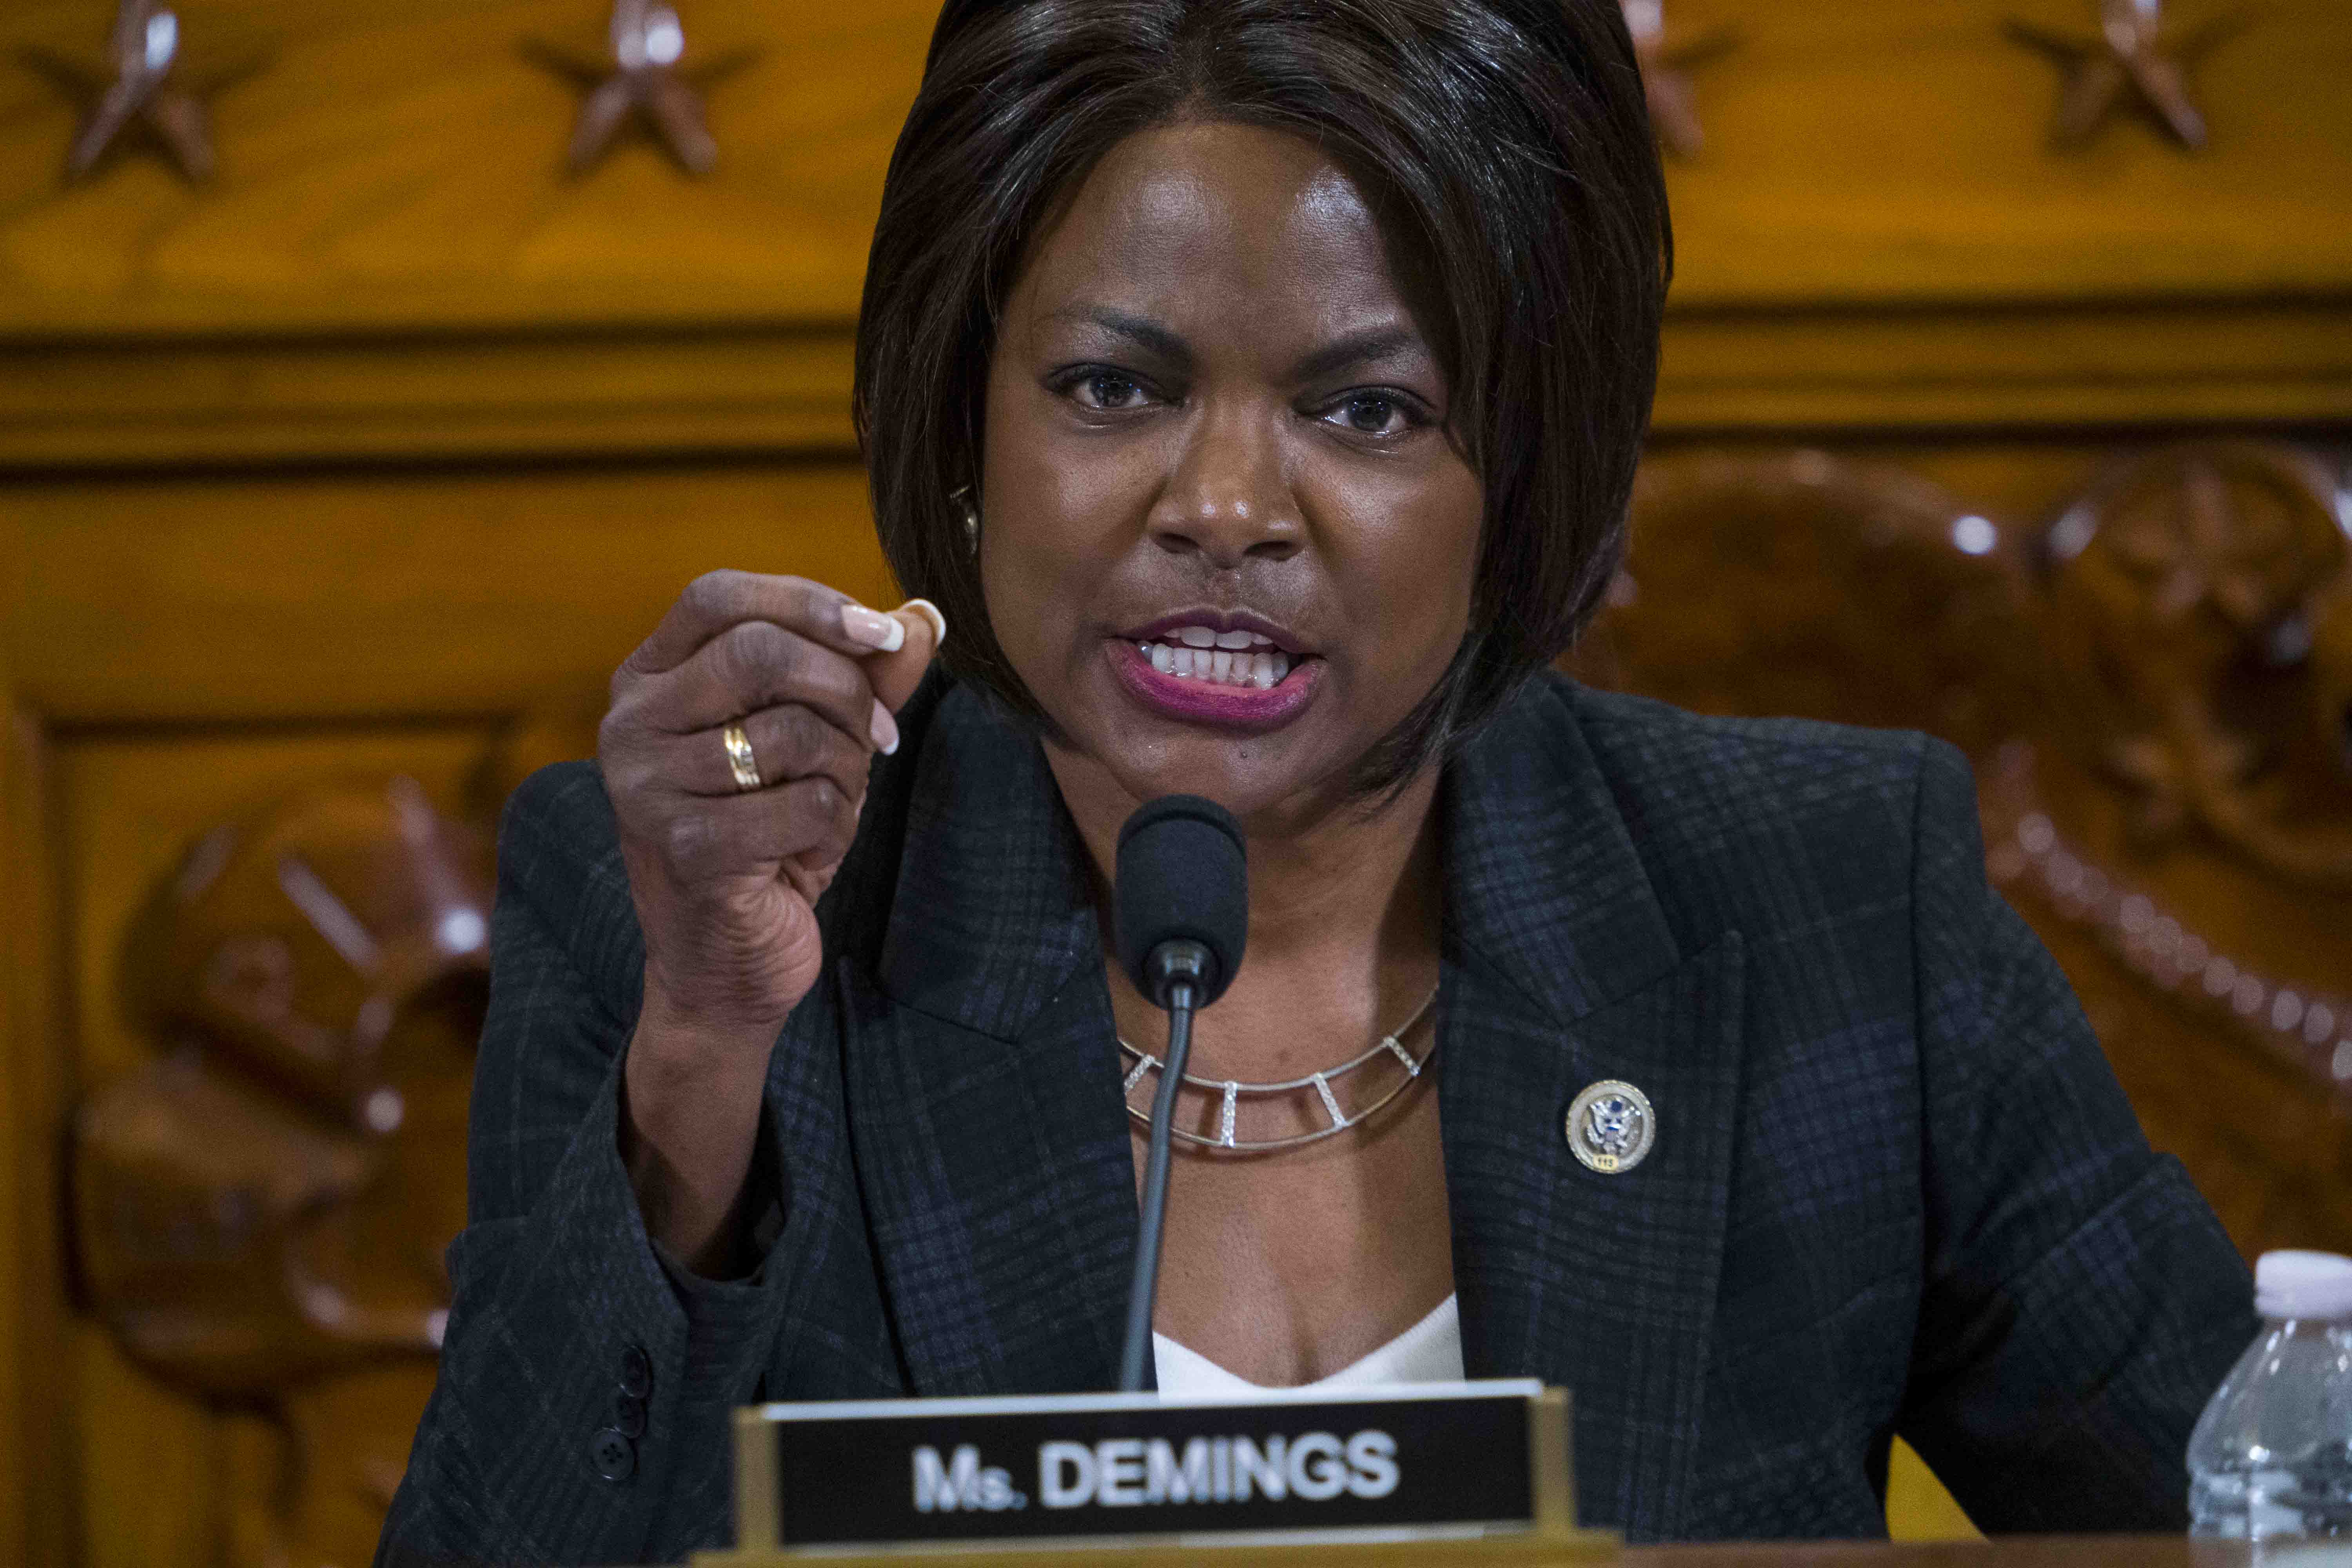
(1423, 561)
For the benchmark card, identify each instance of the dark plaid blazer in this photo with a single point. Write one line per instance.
(1894, 1189)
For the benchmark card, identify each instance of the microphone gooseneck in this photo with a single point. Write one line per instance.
(1182, 908)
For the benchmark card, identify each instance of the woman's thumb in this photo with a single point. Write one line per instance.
(895, 674)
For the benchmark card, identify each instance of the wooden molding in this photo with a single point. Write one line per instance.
(40, 1425)
(229, 401)
(1857, 369)
(232, 401)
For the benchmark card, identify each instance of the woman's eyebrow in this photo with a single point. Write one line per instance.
(1367, 346)
(1141, 331)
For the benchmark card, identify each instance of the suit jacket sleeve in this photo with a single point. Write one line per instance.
(560, 1307)
(2081, 1303)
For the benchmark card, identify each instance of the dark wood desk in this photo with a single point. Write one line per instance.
(2013, 1552)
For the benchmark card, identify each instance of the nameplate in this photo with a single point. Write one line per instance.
(1416, 1461)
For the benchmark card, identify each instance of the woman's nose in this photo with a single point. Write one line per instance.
(1229, 498)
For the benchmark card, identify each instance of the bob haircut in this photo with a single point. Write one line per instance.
(1505, 146)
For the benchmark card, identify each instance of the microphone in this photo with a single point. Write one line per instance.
(1182, 902)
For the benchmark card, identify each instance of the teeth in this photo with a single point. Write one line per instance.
(1210, 638)
(1227, 667)
(1204, 637)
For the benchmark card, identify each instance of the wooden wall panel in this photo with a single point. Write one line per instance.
(149, 1463)
(193, 648)
(2165, 706)
(186, 646)
(376, 453)
(38, 1475)
(1857, 152)
(135, 799)
(158, 1489)
(1900, 154)
(20, 935)
(343, 594)
(396, 163)
(389, 266)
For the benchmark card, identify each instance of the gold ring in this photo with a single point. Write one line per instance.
(739, 760)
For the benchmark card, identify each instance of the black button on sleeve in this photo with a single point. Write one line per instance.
(636, 1373)
(615, 1456)
(628, 1416)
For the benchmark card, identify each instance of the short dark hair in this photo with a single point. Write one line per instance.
(1505, 146)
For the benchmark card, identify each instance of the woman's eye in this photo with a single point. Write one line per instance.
(1109, 389)
(1371, 414)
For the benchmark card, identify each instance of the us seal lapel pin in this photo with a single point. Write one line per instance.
(1611, 1126)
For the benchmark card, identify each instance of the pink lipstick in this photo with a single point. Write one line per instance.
(1231, 699)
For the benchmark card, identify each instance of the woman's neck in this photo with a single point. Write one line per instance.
(1344, 912)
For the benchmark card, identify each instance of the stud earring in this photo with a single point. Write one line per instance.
(962, 495)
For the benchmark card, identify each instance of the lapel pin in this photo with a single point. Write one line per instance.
(1611, 1126)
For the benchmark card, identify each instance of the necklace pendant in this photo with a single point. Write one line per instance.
(1330, 1105)
(1225, 1117)
(1142, 1065)
(1412, 1067)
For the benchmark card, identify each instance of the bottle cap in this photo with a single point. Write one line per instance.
(2303, 1285)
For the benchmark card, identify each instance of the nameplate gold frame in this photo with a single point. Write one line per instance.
(1479, 1469)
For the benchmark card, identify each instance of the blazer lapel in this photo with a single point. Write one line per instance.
(981, 1077)
(1563, 970)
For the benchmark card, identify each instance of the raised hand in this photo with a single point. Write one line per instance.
(725, 872)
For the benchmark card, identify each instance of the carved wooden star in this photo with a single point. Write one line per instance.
(642, 76)
(141, 91)
(1666, 74)
(2128, 63)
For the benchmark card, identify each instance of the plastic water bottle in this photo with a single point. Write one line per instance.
(2271, 1457)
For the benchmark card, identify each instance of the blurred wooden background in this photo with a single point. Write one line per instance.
(332, 489)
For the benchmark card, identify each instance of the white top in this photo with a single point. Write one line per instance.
(1429, 1351)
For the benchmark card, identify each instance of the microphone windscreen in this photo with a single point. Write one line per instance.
(1183, 874)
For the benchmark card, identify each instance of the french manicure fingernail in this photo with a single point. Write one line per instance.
(930, 613)
(886, 731)
(872, 628)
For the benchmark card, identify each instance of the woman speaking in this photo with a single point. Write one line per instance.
(1255, 388)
